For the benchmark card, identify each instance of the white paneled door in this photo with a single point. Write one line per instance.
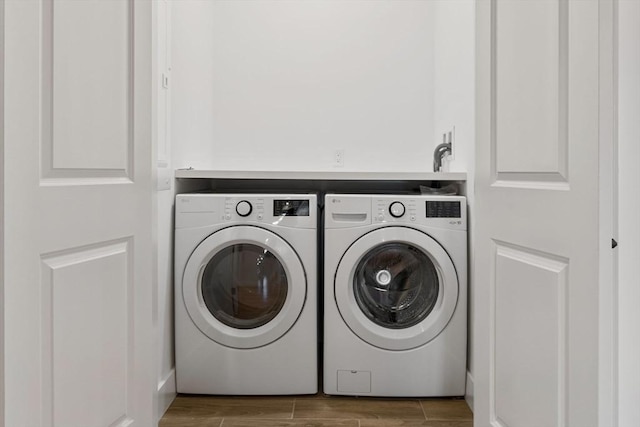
(78, 337)
(541, 137)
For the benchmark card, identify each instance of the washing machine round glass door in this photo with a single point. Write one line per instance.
(396, 288)
(244, 287)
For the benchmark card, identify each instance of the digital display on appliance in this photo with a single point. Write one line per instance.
(443, 209)
(291, 207)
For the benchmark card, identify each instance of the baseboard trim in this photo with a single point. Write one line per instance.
(468, 396)
(166, 393)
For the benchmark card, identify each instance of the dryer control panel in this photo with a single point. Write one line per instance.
(286, 210)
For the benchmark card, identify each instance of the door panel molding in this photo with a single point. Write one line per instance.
(87, 311)
(532, 325)
(87, 128)
(529, 152)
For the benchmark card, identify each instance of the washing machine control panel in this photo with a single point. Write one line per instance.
(439, 211)
(393, 210)
(352, 210)
(443, 209)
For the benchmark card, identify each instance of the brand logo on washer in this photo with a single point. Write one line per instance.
(336, 200)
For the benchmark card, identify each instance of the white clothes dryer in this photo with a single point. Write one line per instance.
(246, 294)
(395, 295)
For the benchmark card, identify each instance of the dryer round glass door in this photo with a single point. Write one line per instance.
(396, 288)
(244, 287)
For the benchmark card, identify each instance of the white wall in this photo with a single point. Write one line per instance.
(454, 77)
(191, 84)
(269, 85)
(629, 212)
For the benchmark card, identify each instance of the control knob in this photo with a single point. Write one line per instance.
(396, 209)
(244, 208)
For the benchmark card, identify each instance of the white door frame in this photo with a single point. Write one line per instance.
(627, 391)
(2, 214)
(607, 284)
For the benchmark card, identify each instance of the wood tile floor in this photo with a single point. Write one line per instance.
(315, 411)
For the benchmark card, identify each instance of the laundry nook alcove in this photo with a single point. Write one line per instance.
(354, 213)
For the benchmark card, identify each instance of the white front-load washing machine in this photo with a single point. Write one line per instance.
(395, 295)
(246, 293)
